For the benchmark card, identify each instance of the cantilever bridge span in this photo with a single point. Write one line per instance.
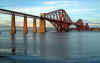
(59, 18)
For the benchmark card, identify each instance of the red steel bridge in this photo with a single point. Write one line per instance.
(58, 18)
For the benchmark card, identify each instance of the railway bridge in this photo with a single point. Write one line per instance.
(58, 18)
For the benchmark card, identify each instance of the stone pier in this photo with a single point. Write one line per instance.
(25, 29)
(42, 24)
(13, 27)
(34, 25)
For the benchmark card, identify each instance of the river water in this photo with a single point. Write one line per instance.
(68, 45)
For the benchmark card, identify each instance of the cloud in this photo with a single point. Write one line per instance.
(50, 2)
(84, 12)
(62, 3)
(81, 10)
(35, 10)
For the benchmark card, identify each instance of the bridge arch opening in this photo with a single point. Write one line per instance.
(72, 27)
(19, 23)
(50, 27)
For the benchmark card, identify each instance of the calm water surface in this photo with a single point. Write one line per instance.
(51, 44)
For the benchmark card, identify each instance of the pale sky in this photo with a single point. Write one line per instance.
(88, 10)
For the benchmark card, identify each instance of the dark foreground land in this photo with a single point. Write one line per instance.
(37, 59)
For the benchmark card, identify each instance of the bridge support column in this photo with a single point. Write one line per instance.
(66, 27)
(13, 27)
(42, 23)
(25, 29)
(87, 28)
(34, 25)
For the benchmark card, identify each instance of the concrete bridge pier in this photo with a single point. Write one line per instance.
(13, 27)
(42, 24)
(25, 29)
(34, 25)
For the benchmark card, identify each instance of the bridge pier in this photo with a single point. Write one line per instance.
(66, 27)
(34, 25)
(87, 28)
(63, 28)
(42, 24)
(13, 27)
(80, 28)
(25, 29)
(80, 25)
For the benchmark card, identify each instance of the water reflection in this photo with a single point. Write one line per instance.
(53, 47)
(42, 44)
(19, 45)
(13, 44)
(59, 45)
(36, 49)
(25, 44)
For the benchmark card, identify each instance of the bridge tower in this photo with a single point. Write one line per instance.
(13, 27)
(42, 23)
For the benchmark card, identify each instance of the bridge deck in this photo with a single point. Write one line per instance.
(4, 11)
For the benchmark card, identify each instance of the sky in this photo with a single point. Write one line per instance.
(88, 10)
